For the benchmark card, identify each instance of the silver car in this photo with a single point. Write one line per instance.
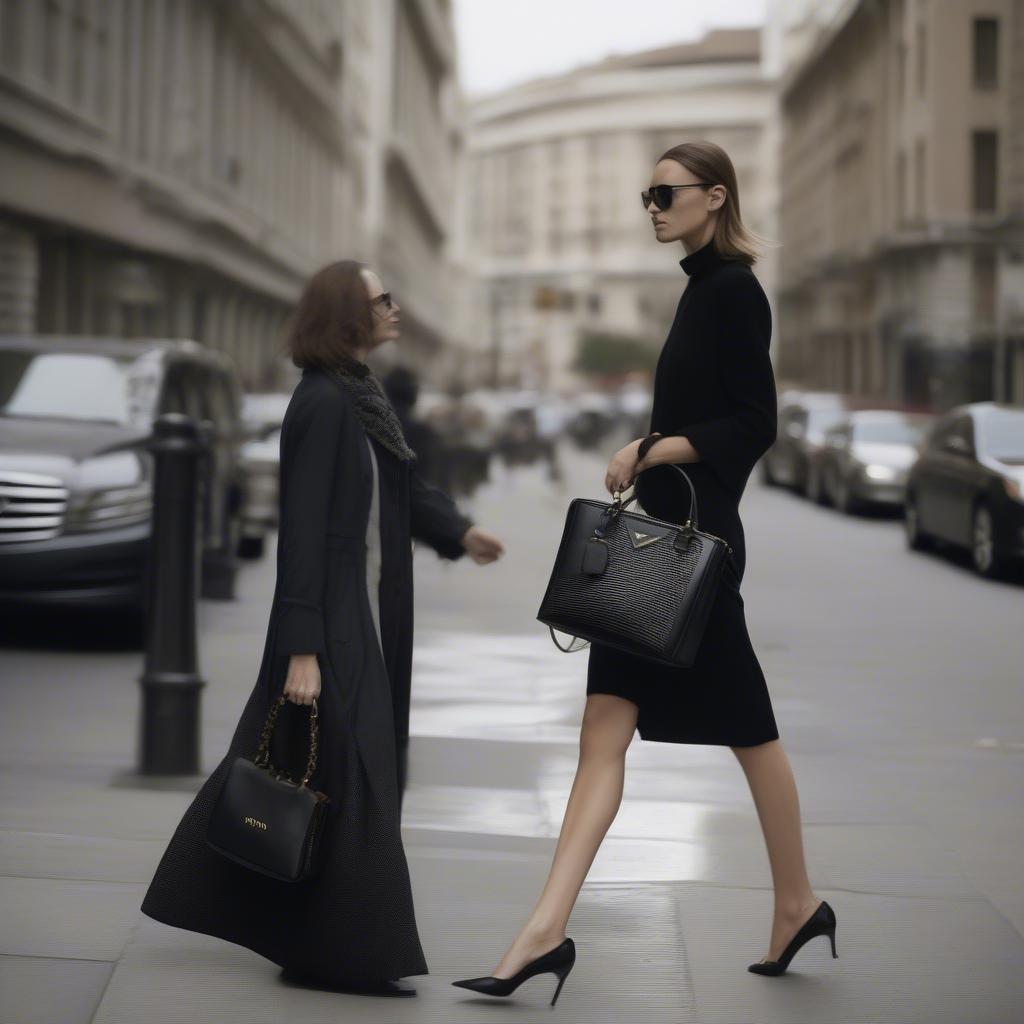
(263, 413)
(866, 457)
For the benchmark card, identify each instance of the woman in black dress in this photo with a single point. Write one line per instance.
(715, 412)
(340, 632)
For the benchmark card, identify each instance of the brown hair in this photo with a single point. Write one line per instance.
(709, 162)
(333, 317)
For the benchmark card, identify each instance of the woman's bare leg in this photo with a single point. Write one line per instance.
(778, 806)
(609, 723)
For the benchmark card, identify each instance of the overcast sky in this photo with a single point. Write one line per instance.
(504, 42)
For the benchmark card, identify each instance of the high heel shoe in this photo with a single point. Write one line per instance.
(821, 922)
(558, 961)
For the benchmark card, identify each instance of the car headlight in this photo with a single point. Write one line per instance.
(876, 472)
(1013, 488)
(109, 508)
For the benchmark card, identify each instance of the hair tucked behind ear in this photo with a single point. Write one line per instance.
(709, 162)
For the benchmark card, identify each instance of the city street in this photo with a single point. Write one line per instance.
(896, 682)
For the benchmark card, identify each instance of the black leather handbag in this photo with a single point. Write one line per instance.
(264, 820)
(633, 582)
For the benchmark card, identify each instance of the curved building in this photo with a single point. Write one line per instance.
(554, 243)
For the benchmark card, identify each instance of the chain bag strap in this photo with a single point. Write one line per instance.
(264, 820)
(263, 751)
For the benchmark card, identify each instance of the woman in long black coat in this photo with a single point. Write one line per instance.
(714, 411)
(340, 631)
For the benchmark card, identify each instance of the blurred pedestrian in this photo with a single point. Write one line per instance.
(432, 462)
(551, 420)
(340, 633)
(715, 409)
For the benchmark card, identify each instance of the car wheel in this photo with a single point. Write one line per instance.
(844, 496)
(916, 539)
(251, 547)
(827, 488)
(812, 485)
(984, 558)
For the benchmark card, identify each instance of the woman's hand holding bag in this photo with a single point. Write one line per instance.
(303, 683)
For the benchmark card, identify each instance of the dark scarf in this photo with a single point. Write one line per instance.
(373, 408)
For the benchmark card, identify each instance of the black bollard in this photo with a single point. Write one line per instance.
(169, 727)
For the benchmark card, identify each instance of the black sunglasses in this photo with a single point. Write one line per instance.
(663, 194)
(384, 299)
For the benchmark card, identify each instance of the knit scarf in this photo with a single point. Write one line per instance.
(372, 406)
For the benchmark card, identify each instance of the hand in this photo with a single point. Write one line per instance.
(482, 545)
(623, 467)
(303, 682)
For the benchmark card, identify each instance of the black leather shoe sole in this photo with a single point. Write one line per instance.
(384, 987)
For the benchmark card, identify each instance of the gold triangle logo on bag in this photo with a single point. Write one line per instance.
(641, 539)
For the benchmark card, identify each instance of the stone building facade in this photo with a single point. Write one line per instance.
(179, 167)
(551, 237)
(902, 203)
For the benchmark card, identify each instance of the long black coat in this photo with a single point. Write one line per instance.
(713, 385)
(355, 921)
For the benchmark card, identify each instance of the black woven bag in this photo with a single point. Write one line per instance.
(633, 582)
(265, 821)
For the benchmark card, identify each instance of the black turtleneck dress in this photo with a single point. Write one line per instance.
(713, 385)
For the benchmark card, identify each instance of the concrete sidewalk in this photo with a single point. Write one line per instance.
(912, 834)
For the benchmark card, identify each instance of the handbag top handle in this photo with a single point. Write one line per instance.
(619, 505)
(263, 752)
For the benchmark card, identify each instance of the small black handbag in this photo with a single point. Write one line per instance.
(264, 820)
(633, 582)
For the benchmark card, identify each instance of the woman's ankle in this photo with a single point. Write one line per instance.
(540, 932)
(795, 906)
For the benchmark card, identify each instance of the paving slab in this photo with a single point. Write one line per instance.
(47, 990)
(907, 751)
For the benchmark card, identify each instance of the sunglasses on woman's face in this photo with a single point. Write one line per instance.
(384, 299)
(662, 195)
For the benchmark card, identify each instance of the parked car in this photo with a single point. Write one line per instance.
(803, 419)
(263, 413)
(865, 458)
(967, 486)
(595, 416)
(76, 477)
(519, 441)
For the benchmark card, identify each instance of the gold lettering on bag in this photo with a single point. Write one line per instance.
(256, 823)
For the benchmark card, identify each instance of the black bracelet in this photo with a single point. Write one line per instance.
(647, 444)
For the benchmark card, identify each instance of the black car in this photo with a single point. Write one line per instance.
(803, 419)
(76, 477)
(865, 459)
(967, 486)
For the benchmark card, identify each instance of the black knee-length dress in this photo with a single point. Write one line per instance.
(713, 385)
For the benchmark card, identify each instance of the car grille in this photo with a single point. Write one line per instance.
(31, 506)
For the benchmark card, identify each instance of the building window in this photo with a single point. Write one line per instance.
(920, 182)
(985, 154)
(984, 288)
(922, 58)
(81, 32)
(51, 35)
(900, 48)
(986, 52)
(901, 187)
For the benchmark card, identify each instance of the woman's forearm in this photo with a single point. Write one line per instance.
(672, 449)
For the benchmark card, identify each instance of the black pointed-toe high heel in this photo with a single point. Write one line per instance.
(821, 922)
(558, 961)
